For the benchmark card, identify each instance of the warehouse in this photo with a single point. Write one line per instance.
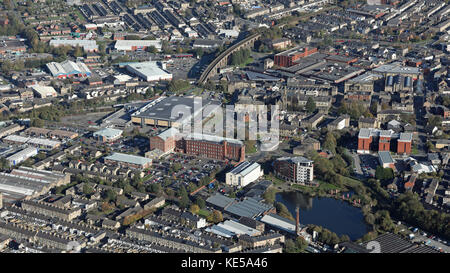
(159, 112)
(68, 69)
(27, 183)
(87, 45)
(22, 156)
(244, 174)
(133, 45)
(279, 222)
(230, 228)
(44, 91)
(249, 207)
(128, 161)
(149, 71)
(37, 142)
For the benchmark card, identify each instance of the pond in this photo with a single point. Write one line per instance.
(336, 215)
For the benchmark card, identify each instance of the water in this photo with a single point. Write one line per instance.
(335, 215)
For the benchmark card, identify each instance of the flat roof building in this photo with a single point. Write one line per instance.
(136, 45)
(108, 134)
(22, 156)
(172, 111)
(149, 71)
(87, 45)
(126, 160)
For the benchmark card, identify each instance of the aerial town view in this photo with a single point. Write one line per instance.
(225, 126)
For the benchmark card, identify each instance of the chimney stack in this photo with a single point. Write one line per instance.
(297, 222)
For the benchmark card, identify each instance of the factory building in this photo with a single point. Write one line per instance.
(41, 143)
(209, 146)
(87, 45)
(26, 183)
(165, 141)
(244, 174)
(287, 58)
(22, 156)
(137, 45)
(68, 69)
(173, 111)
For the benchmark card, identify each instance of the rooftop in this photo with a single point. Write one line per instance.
(132, 159)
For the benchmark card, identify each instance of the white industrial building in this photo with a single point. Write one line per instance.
(22, 155)
(230, 228)
(68, 69)
(87, 45)
(37, 142)
(44, 91)
(133, 45)
(149, 71)
(244, 174)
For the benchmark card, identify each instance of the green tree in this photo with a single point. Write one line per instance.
(183, 197)
(194, 209)
(310, 105)
(200, 202)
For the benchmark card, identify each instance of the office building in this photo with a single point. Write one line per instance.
(244, 174)
(108, 135)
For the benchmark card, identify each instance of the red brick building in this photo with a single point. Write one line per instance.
(199, 145)
(288, 57)
(364, 141)
(380, 140)
(404, 143)
(384, 142)
(212, 147)
(164, 141)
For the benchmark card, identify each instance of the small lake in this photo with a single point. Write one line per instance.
(336, 215)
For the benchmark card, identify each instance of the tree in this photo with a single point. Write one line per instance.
(200, 202)
(194, 209)
(183, 197)
(37, 122)
(283, 211)
(310, 105)
(269, 195)
(384, 174)
(87, 189)
(78, 52)
(330, 142)
(109, 195)
(217, 216)
(151, 49)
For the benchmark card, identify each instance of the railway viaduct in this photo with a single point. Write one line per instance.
(222, 60)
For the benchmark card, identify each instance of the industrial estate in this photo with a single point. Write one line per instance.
(231, 126)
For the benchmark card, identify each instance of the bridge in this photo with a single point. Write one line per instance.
(222, 59)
